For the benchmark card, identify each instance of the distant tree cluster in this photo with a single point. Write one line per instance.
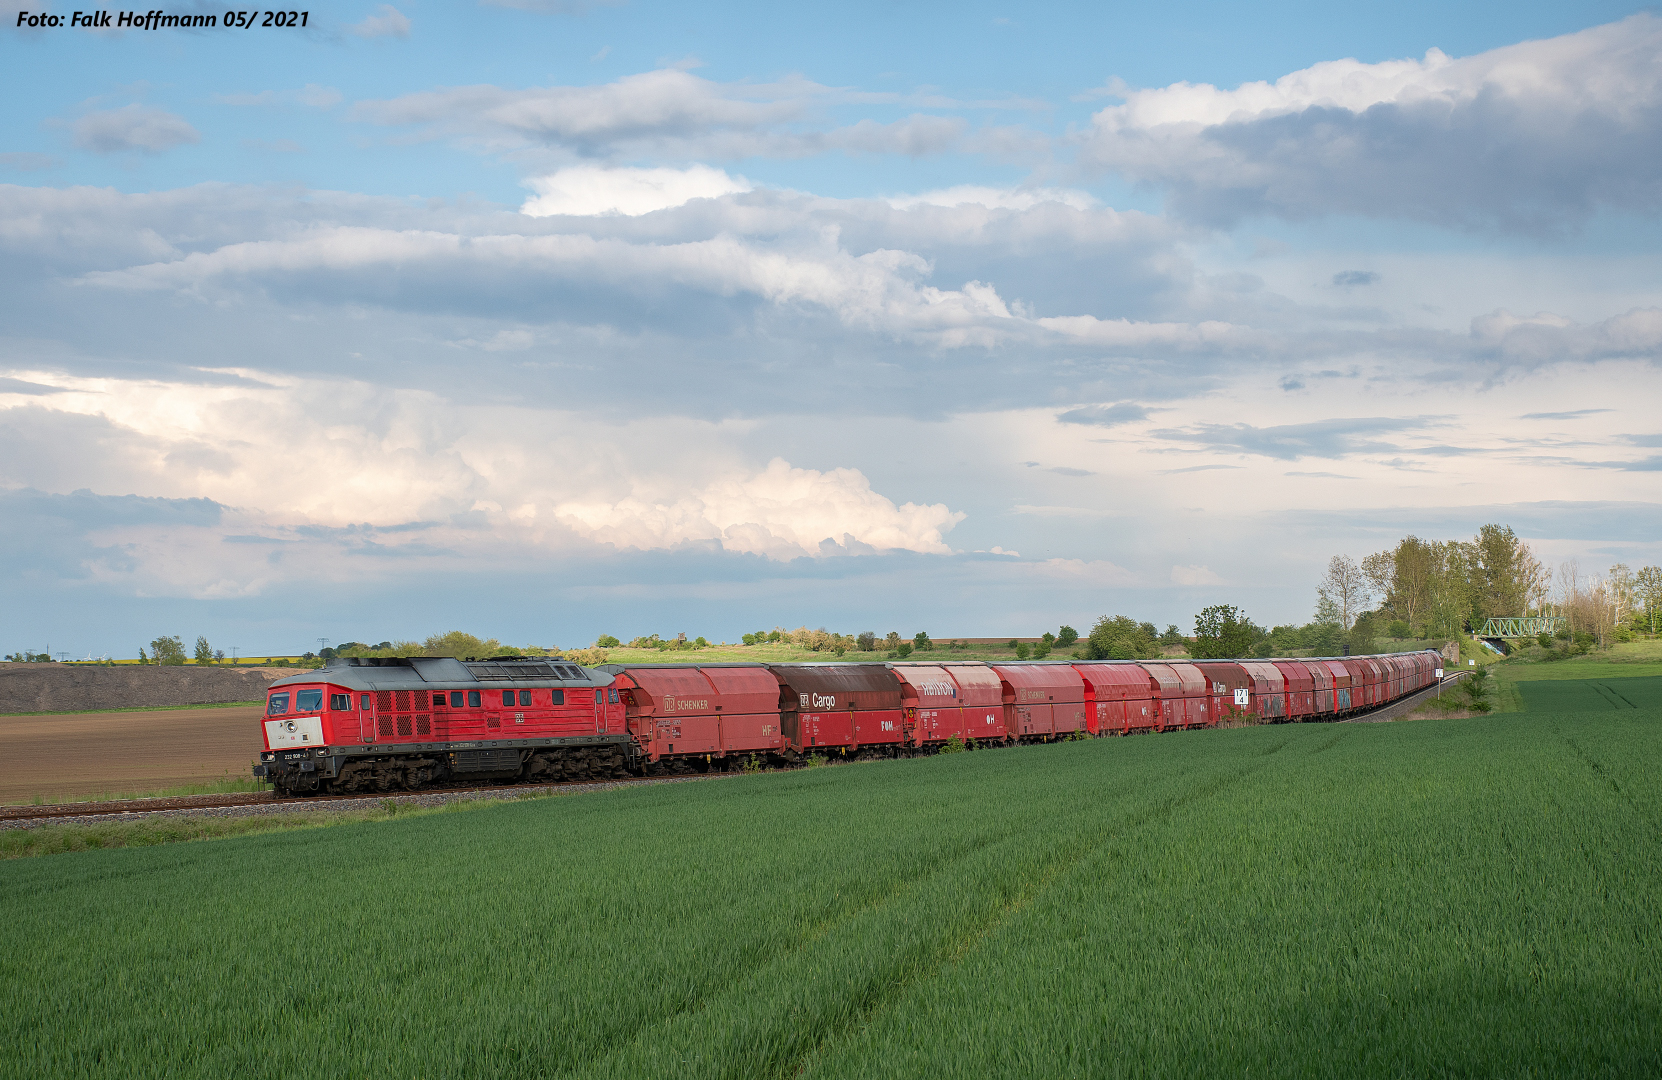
(678, 643)
(1429, 589)
(457, 643)
(1120, 637)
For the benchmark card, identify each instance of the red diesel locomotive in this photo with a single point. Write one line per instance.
(407, 723)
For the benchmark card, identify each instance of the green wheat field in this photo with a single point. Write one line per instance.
(1476, 897)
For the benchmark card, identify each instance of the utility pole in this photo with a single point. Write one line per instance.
(322, 643)
(234, 649)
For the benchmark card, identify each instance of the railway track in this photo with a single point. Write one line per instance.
(268, 801)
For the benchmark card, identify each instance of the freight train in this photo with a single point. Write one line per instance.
(405, 723)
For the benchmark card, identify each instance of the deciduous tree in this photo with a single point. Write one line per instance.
(1343, 592)
(1647, 584)
(167, 650)
(1222, 631)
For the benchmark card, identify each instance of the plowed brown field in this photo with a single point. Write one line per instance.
(124, 752)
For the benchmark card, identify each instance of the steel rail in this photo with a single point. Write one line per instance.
(236, 800)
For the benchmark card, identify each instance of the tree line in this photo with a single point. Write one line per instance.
(1437, 588)
(171, 650)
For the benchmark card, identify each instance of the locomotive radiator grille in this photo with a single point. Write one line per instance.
(424, 724)
(403, 697)
(385, 725)
(404, 724)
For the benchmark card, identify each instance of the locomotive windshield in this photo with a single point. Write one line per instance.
(278, 705)
(308, 701)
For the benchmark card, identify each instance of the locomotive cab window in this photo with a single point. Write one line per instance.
(340, 702)
(525, 697)
(559, 697)
(473, 699)
(308, 701)
(507, 697)
(363, 702)
(599, 697)
(611, 695)
(277, 705)
(455, 699)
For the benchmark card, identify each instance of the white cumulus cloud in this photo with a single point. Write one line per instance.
(996, 198)
(388, 21)
(780, 512)
(1194, 575)
(591, 189)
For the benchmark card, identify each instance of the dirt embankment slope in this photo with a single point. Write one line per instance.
(73, 687)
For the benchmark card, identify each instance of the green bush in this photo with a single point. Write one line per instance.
(1118, 637)
(1067, 636)
(1477, 690)
(607, 641)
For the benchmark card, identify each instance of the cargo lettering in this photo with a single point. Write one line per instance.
(817, 701)
(1030, 695)
(938, 689)
(672, 704)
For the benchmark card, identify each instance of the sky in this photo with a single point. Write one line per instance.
(543, 319)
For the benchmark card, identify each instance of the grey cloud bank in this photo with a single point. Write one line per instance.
(1531, 137)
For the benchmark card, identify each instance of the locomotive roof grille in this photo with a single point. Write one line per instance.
(525, 670)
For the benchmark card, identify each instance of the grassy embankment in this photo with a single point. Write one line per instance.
(1521, 681)
(225, 785)
(1474, 897)
(1518, 678)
